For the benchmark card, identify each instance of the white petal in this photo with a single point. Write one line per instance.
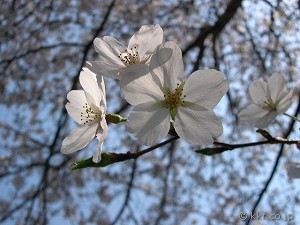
(78, 139)
(101, 85)
(105, 68)
(77, 100)
(141, 90)
(109, 62)
(90, 85)
(197, 127)
(101, 136)
(276, 85)
(146, 39)
(258, 116)
(258, 91)
(252, 113)
(167, 64)
(264, 121)
(149, 123)
(133, 72)
(102, 130)
(97, 155)
(285, 102)
(205, 87)
(109, 48)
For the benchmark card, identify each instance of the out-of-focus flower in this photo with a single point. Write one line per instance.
(293, 170)
(116, 60)
(87, 107)
(161, 97)
(269, 99)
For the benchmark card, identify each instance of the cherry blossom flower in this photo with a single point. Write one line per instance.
(115, 59)
(162, 100)
(293, 170)
(87, 107)
(269, 99)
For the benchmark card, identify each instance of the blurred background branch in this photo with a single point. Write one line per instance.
(44, 45)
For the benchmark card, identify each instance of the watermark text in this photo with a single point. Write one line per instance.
(266, 216)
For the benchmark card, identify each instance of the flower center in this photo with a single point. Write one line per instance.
(173, 99)
(89, 116)
(267, 104)
(129, 57)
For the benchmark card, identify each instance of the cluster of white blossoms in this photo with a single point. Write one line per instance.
(150, 73)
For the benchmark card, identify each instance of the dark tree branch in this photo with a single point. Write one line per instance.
(133, 215)
(271, 141)
(41, 48)
(21, 169)
(135, 155)
(256, 49)
(198, 61)
(23, 135)
(27, 199)
(63, 118)
(217, 67)
(109, 158)
(217, 28)
(128, 192)
(165, 181)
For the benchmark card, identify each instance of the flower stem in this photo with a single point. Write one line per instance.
(293, 117)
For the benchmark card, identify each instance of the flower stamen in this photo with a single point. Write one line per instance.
(89, 116)
(130, 57)
(267, 104)
(174, 99)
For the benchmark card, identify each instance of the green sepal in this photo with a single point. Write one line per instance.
(115, 118)
(107, 158)
(211, 151)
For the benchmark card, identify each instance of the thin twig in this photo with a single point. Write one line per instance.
(250, 144)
